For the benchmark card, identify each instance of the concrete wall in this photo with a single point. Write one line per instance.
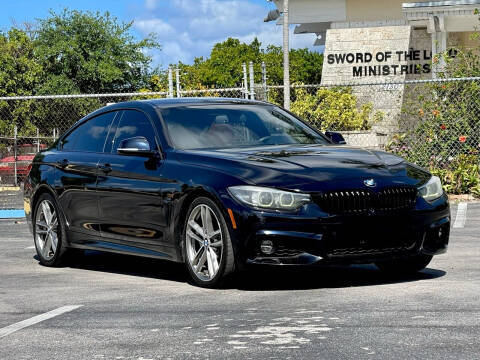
(378, 42)
(465, 39)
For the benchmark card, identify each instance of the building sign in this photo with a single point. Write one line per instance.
(383, 63)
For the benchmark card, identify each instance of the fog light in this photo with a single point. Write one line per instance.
(267, 247)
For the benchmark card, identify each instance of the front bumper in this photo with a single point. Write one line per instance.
(311, 237)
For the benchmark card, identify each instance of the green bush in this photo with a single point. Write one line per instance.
(461, 176)
(333, 109)
(442, 133)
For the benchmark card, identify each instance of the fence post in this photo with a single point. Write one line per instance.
(170, 83)
(177, 77)
(264, 81)
(15, 155)
(38, 140)
(252, 81)
(245, 81)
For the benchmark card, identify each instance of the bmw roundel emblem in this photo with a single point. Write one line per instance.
(370, 182)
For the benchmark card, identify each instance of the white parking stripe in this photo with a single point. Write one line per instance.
(30, 247)
(7, 330)
(461, 217)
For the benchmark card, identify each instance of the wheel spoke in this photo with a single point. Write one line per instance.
(208, 222)
(194, 236)
(203, 214)
(42, 224)
(196, 227)
(212, 263)
(47, 212)
(201, 262)
(47, 245)
(54, 239)
(218, 243)
(215, 233)
(217, 265)
(197, 256)
(54, 223)
(40, 231)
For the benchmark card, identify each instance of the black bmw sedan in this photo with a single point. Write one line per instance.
(219, 184)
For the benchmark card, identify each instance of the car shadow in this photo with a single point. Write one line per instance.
(126, 265)
(255, 278)
(327, 277)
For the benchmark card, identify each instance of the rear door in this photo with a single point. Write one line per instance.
(130, 188)
(76, 175)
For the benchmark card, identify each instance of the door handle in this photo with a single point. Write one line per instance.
(62, 163)
(106, 168)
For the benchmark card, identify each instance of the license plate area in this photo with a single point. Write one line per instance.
(368, 236)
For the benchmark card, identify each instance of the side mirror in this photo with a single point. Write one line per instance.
(135, 146)
(335, 137)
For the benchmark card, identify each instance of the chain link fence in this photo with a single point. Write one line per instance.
(433, 123)
(31, 123)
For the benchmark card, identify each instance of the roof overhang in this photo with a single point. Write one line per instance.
(449, 16)
(314, 11)
(435, 4)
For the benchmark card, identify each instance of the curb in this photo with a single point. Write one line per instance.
(463, 198)
(9, 188)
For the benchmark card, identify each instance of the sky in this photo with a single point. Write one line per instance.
(185, 28)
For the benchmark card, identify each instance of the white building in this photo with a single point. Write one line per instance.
(378, 40)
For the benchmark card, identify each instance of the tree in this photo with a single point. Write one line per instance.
(305, 65)
(85, 52)
(20, 74)
(223, 68)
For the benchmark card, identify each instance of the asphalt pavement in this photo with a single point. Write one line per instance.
(106, 306)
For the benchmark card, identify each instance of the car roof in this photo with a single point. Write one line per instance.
(169, 102)
(151, 104)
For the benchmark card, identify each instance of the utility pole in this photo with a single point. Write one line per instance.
(271, 16)
(286, 59)
(245, 80)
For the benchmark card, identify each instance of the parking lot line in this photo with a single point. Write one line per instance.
(461, 217)
(7, 330)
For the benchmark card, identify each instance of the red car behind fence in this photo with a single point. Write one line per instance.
(9, 166)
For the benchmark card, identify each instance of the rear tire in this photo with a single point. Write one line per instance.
(207, 246)
(49, 231)
(409, 265)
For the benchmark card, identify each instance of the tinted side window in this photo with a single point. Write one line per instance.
(134, 123)
(90, 136)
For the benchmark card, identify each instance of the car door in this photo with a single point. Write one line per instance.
(130, 188)
(76, 175)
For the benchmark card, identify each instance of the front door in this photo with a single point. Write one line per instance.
(76, 167)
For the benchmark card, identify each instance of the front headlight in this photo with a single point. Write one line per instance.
(432, 190)
(267, 198)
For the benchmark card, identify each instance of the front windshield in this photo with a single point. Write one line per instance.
(235, 125)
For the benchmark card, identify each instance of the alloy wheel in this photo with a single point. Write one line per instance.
(204, 242)
(46, 230)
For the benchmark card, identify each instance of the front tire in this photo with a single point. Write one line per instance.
(49, 231)
(207, 246)
(409, 265)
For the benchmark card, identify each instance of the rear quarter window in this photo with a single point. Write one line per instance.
(89, 136)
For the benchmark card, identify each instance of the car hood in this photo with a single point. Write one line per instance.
(309, 168)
